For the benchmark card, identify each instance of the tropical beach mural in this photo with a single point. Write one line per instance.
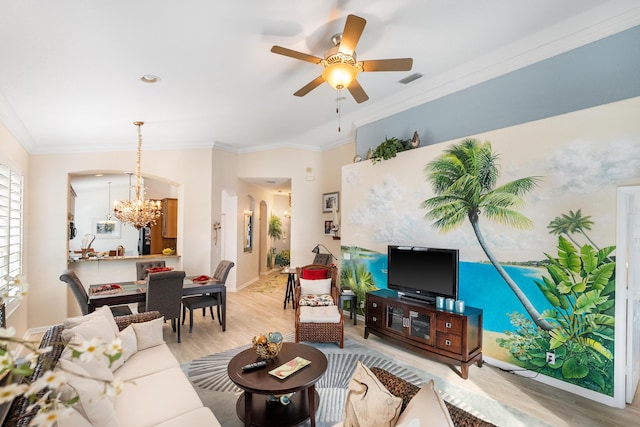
(535, 229)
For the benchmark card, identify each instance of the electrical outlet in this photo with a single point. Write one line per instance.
(551, 358)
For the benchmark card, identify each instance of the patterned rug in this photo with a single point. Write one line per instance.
(274, 282)
(209, 378)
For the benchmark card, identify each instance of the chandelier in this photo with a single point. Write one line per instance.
(139, 212)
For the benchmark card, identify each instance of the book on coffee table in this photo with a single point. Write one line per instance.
(292, 366)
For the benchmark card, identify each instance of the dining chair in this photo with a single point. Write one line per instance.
(143, 266)
(207, 300)
(164, 294)
(79, 291)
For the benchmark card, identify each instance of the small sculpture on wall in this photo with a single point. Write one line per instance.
(216, 227)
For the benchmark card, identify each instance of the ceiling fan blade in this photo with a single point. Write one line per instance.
(357, 92)
(399, 64)
(309, 86)
(351, 34)
(295, 54)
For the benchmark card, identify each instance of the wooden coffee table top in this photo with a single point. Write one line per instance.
(261, 382)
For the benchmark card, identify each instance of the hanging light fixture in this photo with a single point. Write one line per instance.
(139, 212)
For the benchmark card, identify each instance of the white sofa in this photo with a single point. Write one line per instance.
(155, 392)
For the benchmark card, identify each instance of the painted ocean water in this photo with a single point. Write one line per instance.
(480, 286)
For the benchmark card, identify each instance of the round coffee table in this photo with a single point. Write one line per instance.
(256, 410)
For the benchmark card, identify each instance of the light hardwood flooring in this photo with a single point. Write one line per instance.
(250, 313)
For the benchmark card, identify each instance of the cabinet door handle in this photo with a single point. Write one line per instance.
(448, 325)
(374, 318)
(447, 342)
(374, 305)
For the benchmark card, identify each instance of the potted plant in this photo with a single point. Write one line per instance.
(389, 148)
(275, 232)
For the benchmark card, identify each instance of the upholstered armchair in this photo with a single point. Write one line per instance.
(318, 314)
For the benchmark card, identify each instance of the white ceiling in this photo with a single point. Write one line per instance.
(70, 69)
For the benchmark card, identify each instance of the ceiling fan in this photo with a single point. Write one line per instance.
(340, 65)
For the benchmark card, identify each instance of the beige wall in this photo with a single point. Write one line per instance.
(189, 169)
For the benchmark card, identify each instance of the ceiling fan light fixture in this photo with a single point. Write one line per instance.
(339, 75)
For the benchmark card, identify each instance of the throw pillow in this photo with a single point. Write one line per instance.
(315, 287)
(103, 311)
(428, 407)
(93, 404)
(129, 346)
(149, 334)
(93, 327)
(314, 274)
(312, 300)
(97, 368)
(369, 403)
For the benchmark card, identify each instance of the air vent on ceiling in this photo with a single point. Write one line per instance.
(409, 79)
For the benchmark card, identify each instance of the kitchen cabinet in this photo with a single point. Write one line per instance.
(170, 218)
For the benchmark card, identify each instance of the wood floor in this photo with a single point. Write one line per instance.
(250, 313)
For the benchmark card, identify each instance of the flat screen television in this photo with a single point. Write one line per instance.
(423, 273)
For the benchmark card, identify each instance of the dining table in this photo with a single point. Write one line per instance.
(117, 293)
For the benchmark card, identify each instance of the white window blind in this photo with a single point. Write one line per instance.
(11, 228)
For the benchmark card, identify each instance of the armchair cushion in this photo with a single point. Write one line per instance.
(313, 274)
(316, 300)
(315, 287)
(320, 314)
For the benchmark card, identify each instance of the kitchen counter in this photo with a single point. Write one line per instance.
(116, 268)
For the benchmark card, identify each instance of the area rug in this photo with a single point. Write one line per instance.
(274, 282)
(210, 380)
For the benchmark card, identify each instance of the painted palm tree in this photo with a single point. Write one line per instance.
(464, 180)
(579, 223)
(560, 225)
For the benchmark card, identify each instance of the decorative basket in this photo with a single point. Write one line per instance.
(266, 349)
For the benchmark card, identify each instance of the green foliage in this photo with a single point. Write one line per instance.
(355, 276)
(389, 148)
(580, 286)
(275, 227)
(283, 258)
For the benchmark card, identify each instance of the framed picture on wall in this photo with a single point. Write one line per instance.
(327, 226)
(329, 200)
(106, 229)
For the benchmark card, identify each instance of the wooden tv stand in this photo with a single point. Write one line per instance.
(454, 338)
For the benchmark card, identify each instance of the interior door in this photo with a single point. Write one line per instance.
(629, 260)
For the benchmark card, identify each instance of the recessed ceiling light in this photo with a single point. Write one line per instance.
(150, 78)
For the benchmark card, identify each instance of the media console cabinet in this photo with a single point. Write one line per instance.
(454, 338)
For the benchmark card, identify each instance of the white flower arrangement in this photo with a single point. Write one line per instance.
(44, 393)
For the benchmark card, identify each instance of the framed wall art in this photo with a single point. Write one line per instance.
(329, 201)
(327, 226)
(106, 229)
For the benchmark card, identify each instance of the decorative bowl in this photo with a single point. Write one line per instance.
(267, 346)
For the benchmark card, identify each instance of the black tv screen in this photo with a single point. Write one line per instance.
(422, 272)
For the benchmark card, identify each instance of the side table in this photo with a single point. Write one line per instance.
(352, 298)
(291, 280)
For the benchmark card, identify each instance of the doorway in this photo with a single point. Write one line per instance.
(628, 281)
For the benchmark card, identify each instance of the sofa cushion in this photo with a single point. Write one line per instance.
(96, 407)
(147, 362)
(369, 403)
(90, 326)
(428, 407)
(103, 311)
(73, 419)
(97, 367)
(315, 287)
(149, 334)
(129, 344)
(320, 314)
(156, 398)
(198, 417)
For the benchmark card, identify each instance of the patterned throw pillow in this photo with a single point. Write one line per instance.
(316, 300)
